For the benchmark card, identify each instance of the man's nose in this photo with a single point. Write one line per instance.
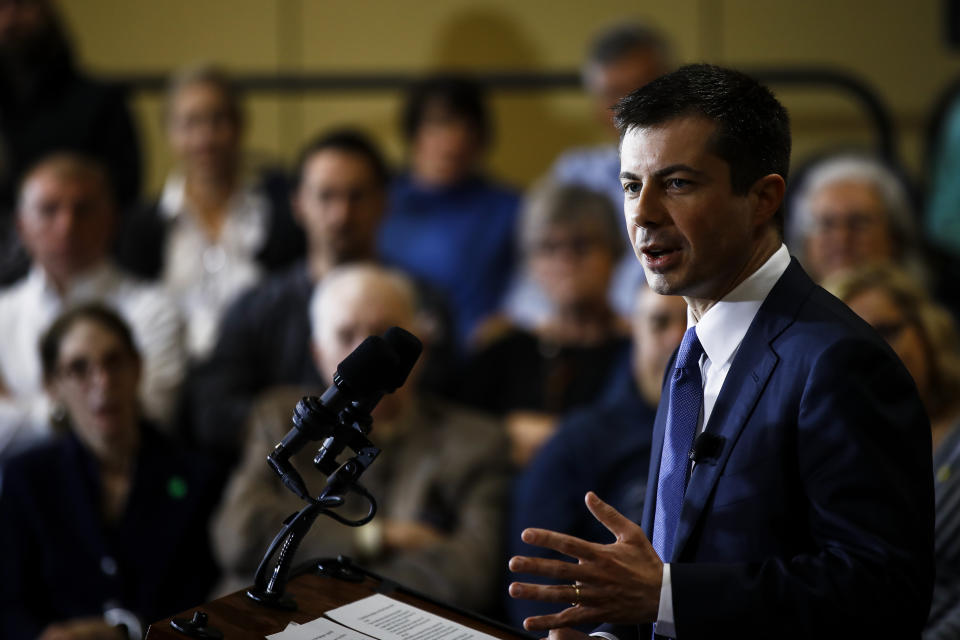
(65, 220)
(646, 210)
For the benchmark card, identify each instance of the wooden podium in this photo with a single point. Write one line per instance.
(238, 617)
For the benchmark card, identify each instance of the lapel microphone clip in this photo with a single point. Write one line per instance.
(706, 448)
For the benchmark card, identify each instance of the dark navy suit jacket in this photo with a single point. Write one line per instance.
(815, 518)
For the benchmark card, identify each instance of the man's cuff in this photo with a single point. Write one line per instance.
(604, 634)
(665, 623)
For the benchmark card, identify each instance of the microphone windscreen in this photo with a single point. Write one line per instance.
(407, 347)
(371, 368)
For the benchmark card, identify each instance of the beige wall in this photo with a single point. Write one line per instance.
(893, 45)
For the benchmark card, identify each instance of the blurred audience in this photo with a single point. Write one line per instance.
(440, 481)
(571, 239)
(621, 58)
(339, 198)
(47, 105)
(925, 337)
(218, 225)
(603, 448)
(66, 215)
(107, 524)
(447, 222)
(849, 211)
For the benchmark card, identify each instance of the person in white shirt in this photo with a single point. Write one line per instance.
(65, 218)
(219, 225)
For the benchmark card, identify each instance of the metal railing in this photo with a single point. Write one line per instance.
(845, 83)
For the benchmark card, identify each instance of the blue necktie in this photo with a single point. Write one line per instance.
(686, 398)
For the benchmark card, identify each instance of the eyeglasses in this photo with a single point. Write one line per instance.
(81, 370)
(858, 222)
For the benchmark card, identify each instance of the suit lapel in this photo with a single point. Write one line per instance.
(751, 369)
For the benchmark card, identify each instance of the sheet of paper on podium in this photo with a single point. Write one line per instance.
(388, 619)
(319, 629)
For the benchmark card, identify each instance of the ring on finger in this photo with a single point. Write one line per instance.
(576, 593)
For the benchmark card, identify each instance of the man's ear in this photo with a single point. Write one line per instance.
(767, 196)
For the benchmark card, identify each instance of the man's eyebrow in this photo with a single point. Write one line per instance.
(673, 168)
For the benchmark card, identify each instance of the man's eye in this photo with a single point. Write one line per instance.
(632, 187)
(677, 183)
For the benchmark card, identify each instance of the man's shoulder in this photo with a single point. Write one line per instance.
(823, 320)
(141, 301)
(13, 295)
(276, 295)
(289, 285)
(798, 309)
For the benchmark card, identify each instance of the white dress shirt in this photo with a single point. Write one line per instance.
(205, 275)
(29, 306)
(721, 330)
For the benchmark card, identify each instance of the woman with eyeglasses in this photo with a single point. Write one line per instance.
(104, 529)
(923, 334)
(571, 240)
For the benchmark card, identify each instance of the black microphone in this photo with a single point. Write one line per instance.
(407, 348)
(378, 365)
(706, 447)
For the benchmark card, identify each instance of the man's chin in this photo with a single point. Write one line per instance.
(662, 284)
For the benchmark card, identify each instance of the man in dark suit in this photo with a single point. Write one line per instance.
(807, 509)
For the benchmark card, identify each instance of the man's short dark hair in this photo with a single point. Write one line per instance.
(622, 38)
(458, 95)
(346, 141)
(753, 128)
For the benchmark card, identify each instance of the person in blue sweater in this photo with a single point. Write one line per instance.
(447, 222)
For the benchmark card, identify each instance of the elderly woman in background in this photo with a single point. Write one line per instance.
(852, 210)
(218, 225)
(925, 337)
(106, 525)
(571, 239)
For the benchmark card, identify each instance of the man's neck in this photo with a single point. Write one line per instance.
(771, 243)
(320, 262)
(62, 283)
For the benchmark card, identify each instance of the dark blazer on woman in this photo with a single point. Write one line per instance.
(62, 561)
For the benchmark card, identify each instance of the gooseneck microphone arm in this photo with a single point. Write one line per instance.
(341, 418)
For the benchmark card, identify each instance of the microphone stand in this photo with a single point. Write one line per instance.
(270, 591)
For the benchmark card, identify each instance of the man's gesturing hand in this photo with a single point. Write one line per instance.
(619, 582)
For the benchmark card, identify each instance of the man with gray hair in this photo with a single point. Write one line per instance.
(440, 480)
(66, 215)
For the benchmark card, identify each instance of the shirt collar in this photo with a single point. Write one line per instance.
(92, 283)
(173, 197)
(723, 326)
